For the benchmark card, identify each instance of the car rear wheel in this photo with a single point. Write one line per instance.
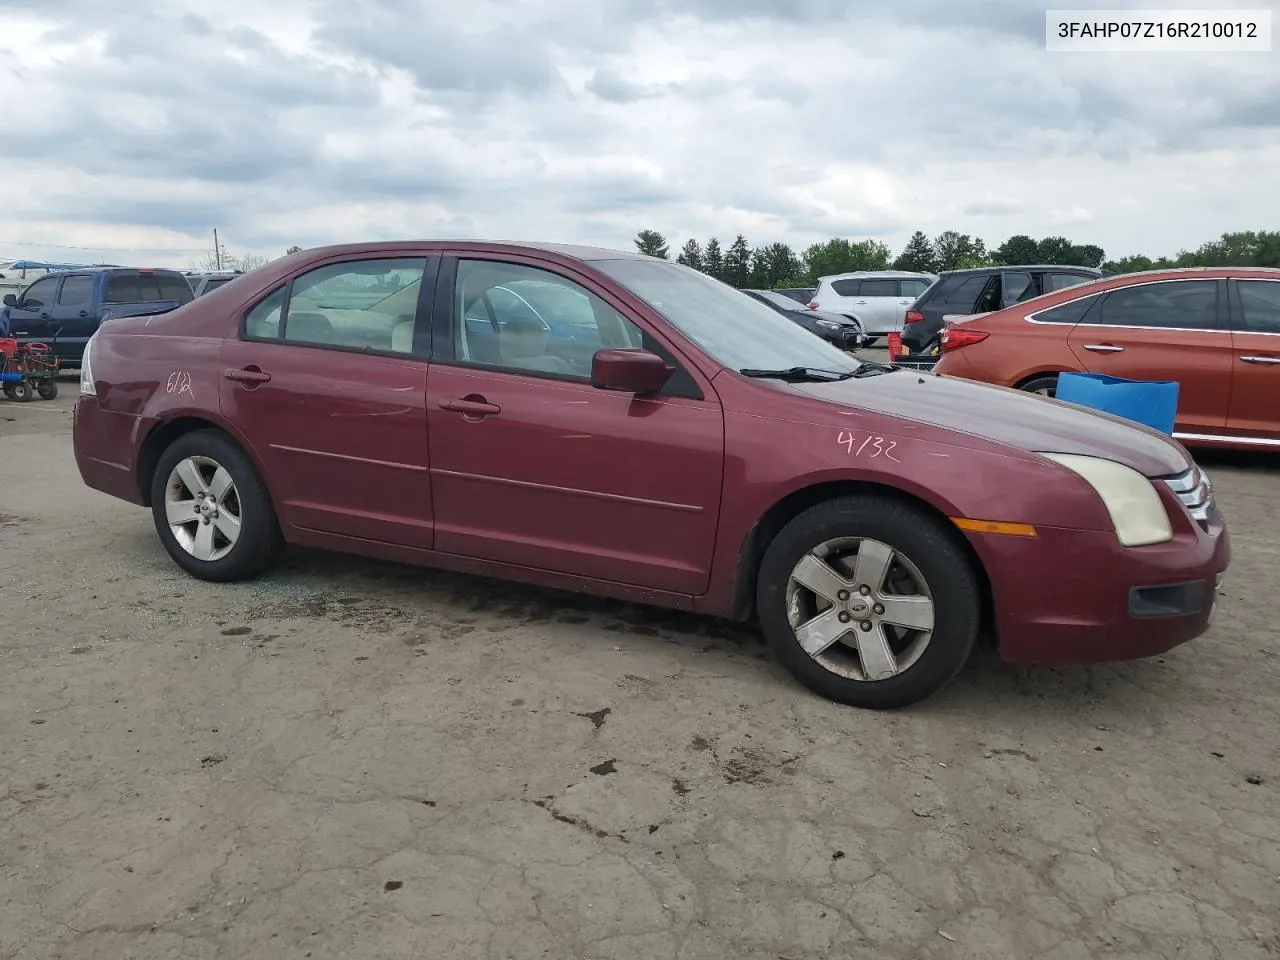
(1045, 386)
(212, 510)
(869, 602)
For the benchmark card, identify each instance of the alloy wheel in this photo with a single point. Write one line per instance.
(860, 608)
(202, 507)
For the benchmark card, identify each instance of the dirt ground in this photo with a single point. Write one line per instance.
(357, 760)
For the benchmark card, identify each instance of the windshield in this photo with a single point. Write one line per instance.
(734, 329)
(784, 302)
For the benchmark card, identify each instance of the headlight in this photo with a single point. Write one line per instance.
(87, 387)
(1136, 509)
(827, 324)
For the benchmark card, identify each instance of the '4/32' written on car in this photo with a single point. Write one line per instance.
(869, 446)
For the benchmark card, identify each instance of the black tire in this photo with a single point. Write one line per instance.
(48, 389)
(911, 532)
(1046, 385)
(7, 387)
(259, 542)
(19, 390)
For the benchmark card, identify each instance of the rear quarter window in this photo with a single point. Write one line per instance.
(966, 293)
(845, 288)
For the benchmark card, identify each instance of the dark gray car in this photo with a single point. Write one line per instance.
(844, 332)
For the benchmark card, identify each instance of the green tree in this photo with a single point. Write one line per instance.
(845, 256)
(653, 244)
(1244, 249)
(1131, 264)
(917, 255)
(1019, 250)
(952, 249)
(737, 263)
(691, 254)
(772, 264)
(713, 259)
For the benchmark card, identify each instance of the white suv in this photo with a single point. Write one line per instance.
(877, 299)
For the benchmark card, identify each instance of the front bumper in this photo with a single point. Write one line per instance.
(1071, 596)
(846, 338)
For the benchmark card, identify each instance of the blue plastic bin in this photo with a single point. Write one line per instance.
(1153, 403)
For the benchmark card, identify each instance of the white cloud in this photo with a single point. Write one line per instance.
(794, 120)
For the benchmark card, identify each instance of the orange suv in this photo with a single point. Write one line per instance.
(1215, 330)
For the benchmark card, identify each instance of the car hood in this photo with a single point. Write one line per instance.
(1017, 419)
(823, 315)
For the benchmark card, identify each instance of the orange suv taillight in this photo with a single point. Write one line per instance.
(914, 316)
(954, 339)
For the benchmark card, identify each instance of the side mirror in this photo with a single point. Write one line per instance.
(629, 371)
(10, 300)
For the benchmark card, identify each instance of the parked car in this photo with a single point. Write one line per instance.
(876, 299)
(1214, 330)
(206, 281)
(801, 295)
(841, 331)
(65, 309)
(981, 290)
(342, 399)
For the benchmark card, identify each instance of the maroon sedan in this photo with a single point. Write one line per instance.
(610, 423)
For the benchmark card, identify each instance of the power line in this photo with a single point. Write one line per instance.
(66, 246)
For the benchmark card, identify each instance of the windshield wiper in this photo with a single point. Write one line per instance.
(870, 368)
(799, 374)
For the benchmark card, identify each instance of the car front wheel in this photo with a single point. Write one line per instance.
(212, 510)
(869, 602)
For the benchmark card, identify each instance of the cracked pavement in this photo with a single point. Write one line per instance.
(350, 759)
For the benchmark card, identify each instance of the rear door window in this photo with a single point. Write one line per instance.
(1172, 304)
(75, 291)
(879, 288)
(1259, 306)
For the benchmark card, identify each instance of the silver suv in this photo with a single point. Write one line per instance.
(877, 299)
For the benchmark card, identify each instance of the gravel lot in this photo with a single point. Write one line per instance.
(356, 760)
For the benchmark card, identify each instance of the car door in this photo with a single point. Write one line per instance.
(1255, 358)
(877, 305)
(327, 381)
(72, 317)
(1164, 330)
(532, 466)
(30, 318)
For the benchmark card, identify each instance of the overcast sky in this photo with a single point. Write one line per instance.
(315, 121)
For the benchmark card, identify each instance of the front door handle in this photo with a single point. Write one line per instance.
(247, 375)
(471, 406)
(1103, 348)
(1261, 359)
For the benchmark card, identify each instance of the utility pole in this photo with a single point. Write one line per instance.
(217, 250)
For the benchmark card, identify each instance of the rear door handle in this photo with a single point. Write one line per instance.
(1103, 348)
(1261, 359)
(467, 405)
(247, 375)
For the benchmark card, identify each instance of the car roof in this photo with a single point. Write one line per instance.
(877, 274)
(975, 271)
(571, 251)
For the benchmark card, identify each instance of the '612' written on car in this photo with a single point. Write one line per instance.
(869, 446)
